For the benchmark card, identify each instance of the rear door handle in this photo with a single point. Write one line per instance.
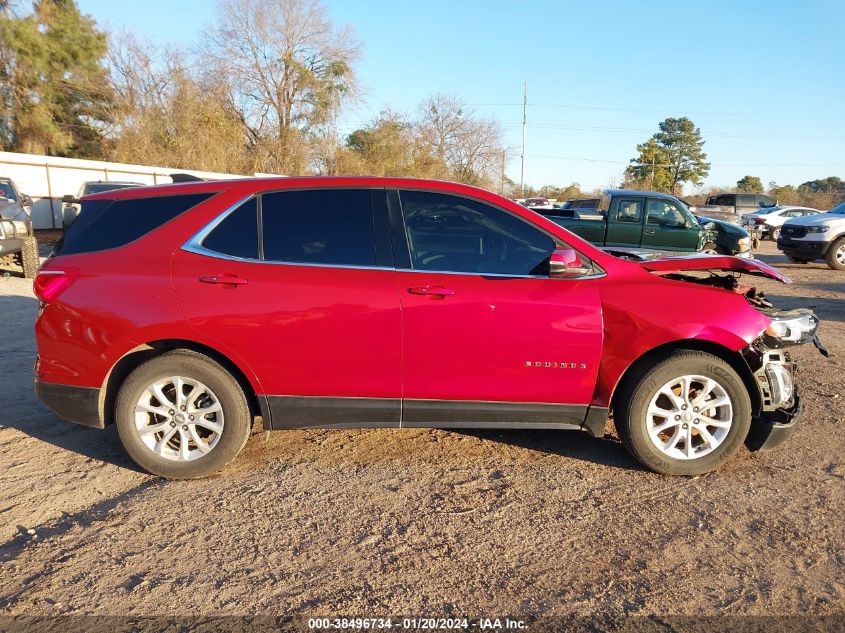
(226, 280)
(648, 232)
(433, 290)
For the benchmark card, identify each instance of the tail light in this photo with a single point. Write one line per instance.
(760, 220)
(49, 284)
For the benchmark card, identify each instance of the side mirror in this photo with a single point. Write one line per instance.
(26, 200)
(69, 199)
(565, 263)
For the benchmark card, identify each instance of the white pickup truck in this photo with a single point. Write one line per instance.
(813, 237)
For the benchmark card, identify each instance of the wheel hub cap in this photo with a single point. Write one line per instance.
(689, 417)
(179, 418)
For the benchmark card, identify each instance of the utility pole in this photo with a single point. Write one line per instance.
(651, 186)
(524, 122)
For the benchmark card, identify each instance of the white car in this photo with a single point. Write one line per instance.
(768, 221)
(821, 236)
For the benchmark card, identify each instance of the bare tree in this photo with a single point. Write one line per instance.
(466, 147)
(167, 116)
(288, 69)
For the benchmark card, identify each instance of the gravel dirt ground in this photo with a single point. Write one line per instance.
(377, 522)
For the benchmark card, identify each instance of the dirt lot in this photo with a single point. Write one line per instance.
(424, 522)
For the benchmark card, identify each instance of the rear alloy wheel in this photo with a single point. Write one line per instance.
(775, 233)
(710, 249)
(835, 257)
(684, 415)
(181, 415)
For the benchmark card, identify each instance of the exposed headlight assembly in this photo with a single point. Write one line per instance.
(794, 327)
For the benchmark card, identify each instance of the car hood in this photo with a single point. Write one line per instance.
(818, 219)
(722, 225)
(665, 265)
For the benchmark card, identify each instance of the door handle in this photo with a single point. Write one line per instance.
(434, 290)
(648, 232)
(226, 280)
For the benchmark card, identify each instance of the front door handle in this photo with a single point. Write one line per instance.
(226, 280)
(648, 232)
(434, 290)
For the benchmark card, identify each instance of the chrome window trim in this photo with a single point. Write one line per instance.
(194, 245)
(504, 275)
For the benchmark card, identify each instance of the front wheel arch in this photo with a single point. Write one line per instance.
(733, 358)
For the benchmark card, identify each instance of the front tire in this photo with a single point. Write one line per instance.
(774, 234)
(835, 256)
(686, 414)
(181, 416)
(710, 249)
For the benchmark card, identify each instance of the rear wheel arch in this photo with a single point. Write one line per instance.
(135, 357)
(733, 358)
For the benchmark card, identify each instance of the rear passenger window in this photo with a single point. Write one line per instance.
(237, 234)
(630, 211)
(319, 226)
(104, 224)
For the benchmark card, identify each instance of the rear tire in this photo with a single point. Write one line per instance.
(795, 260)
(835, 257)
(774, 234)
(708, 422)
(30, 262)
(167, 434)
(710, 249)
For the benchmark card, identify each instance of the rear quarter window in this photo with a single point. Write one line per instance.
(105, 224)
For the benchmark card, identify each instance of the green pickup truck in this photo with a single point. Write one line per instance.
(653, 221)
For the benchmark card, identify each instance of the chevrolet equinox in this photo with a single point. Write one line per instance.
(180, 312)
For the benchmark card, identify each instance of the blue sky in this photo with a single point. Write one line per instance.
(765, 81)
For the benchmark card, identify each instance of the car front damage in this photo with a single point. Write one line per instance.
(767, 356)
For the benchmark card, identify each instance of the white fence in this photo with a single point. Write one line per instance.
(46, 179)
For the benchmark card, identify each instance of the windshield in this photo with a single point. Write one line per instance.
(7, 192)
(99, 187)
(839, 209)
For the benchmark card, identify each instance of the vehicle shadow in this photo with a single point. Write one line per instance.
(21, 410)
(569, 444)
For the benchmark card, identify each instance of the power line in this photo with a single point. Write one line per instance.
(622, 130)
(624, 162)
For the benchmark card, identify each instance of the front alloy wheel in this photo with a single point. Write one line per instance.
(683, 414)
(689, 417)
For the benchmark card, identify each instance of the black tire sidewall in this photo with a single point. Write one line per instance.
(236, 415)
(635, 433)
(831, 254)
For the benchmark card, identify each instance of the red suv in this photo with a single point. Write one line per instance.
(182, 311)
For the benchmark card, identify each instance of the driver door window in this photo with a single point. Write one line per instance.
(453, 234)
(665, 213)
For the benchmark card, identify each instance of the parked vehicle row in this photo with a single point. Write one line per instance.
(651, 221)
(767, 222)
(182, 311)
(737, 204)
(815, 236)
